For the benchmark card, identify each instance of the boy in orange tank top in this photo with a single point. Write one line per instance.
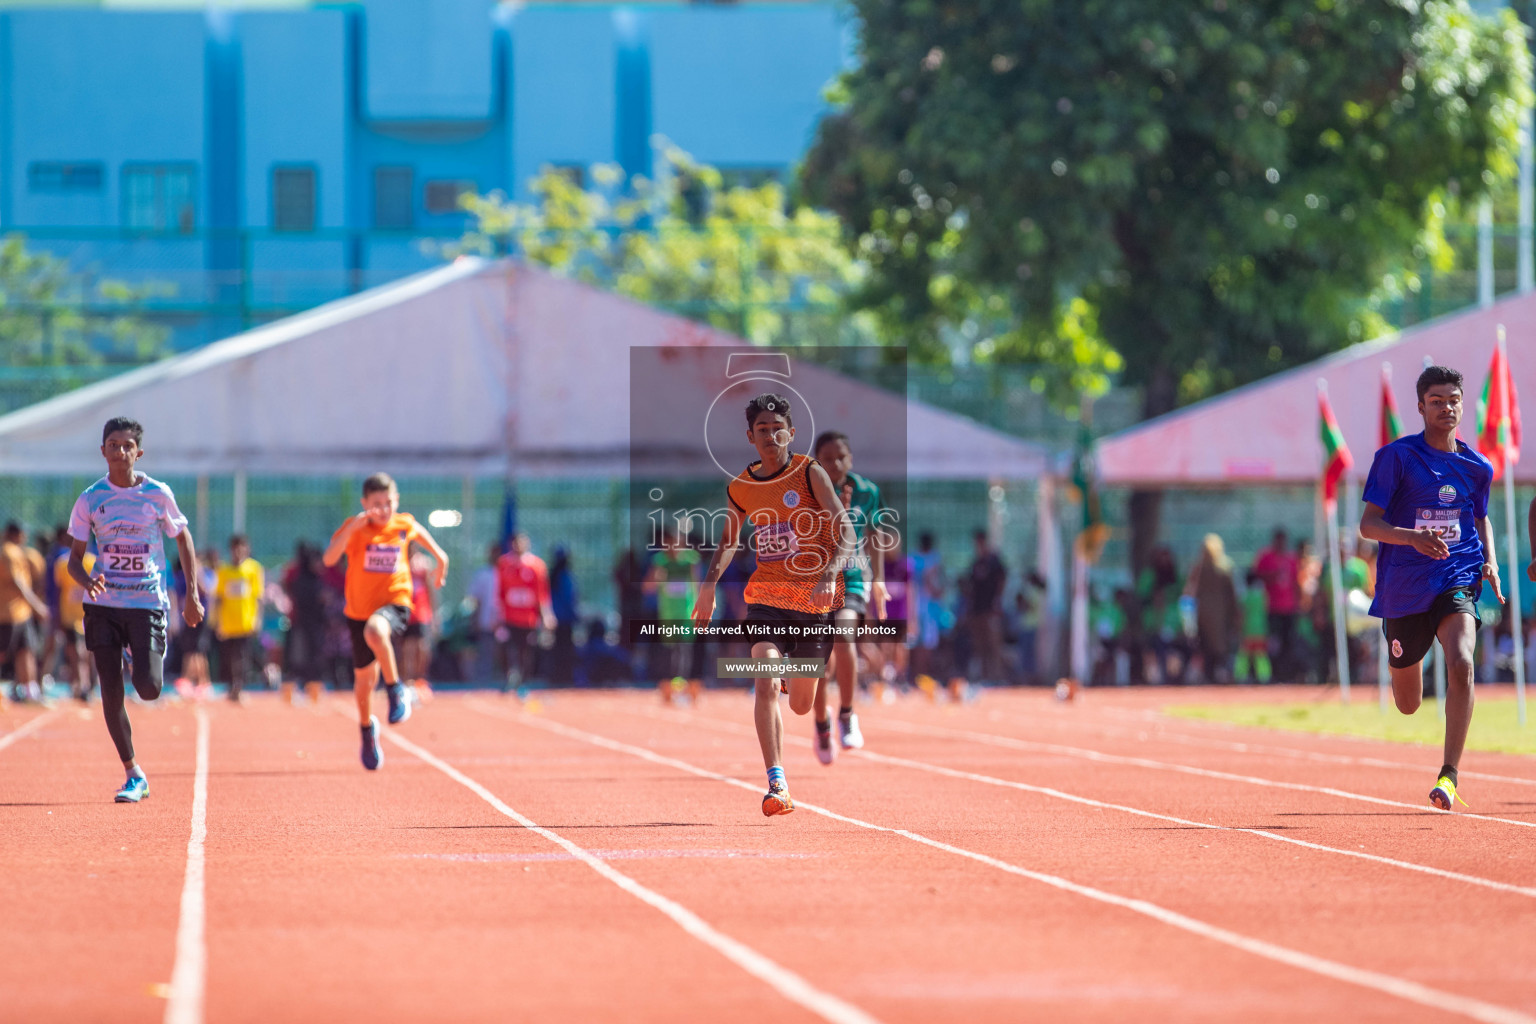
(802, 538)
(376, 544)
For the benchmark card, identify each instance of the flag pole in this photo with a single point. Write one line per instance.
(1336, 575)
(1517, 632)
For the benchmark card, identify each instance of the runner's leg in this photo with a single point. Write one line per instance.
(765, 712)
(109, 669)
(378, 636)
(1458, 639)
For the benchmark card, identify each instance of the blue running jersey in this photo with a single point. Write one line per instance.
(128, 523)
(1423, 488)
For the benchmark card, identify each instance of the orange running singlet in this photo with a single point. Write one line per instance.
(378, 572)
(794, 538)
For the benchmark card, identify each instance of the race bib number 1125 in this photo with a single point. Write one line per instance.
(1444, 523)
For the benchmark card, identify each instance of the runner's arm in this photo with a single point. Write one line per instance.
(730, 537)
(1374, 526)
(425, 540)
(876, 553)
(192, 608)
(847, 540)
(93, 585)
(22, 582)
(1490, 556)
(338, 545)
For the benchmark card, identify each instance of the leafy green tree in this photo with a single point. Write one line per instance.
(1222, 182)
(52, 314)
(734, 258)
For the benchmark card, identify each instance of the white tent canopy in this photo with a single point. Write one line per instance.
(477, 368)
(1267, 432)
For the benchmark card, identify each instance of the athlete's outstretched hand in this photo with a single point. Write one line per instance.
(879, 595)
(192, 607)
(1491, 574)
(824, 594)
(1430, 544)
(704, 604)
(98, 585)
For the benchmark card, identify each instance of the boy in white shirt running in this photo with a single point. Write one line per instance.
(125, 599)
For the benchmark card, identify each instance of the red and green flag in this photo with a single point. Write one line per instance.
(1391, 425)
(1498, 415)
(1336, 457)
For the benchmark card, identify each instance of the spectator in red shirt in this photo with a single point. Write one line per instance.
(1278, 568)
(523, 592)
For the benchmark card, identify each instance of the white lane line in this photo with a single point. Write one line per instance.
(992, 739)
(989, 780)
(781, 979)
(26, 727)
(189, 976)
(1402, 988)
(1161, 734)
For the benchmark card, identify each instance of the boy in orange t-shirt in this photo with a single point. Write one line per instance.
(376, 543)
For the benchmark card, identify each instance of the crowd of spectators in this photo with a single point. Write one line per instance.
(524, 620)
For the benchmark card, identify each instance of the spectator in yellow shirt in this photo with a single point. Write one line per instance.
(82, 670)
(237, 594)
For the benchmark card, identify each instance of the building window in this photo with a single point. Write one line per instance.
(392, 198)
(160, 197)
(576, 174)
(58, 176)
(442, 197)
(293, 199)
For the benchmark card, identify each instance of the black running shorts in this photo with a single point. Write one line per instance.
(397, 615)
(16, 637)
(1410, 636)
(138, 630)
(805, 647)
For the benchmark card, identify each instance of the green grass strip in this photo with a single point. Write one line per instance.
(1494, 725)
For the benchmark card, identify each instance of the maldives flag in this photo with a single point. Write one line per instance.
(1496, 430)
(1391, 425)
(1336, 457)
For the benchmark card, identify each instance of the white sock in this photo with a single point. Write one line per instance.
(136, 772)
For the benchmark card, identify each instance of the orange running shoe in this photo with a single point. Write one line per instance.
(778, 801)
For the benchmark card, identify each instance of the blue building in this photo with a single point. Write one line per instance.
(258, 161)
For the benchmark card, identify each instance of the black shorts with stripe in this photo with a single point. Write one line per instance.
(1409, 637)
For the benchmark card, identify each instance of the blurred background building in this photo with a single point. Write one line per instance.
(250, 162)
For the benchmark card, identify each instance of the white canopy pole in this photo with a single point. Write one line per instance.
(1048, 557)
(1340, 635)
(1517, 632)
(239, 511)
(1082, 667)
(1336, 577)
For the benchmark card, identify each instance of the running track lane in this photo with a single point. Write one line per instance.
(92, 887)
(1354, 912)
(402, 895)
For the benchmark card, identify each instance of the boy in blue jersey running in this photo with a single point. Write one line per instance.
(125, 598)
(1426, 503)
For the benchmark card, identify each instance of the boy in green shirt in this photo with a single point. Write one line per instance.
(674, 579)
(1255, 645)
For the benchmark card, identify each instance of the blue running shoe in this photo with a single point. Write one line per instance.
(373, 751)
(134, 790)
(400, 699)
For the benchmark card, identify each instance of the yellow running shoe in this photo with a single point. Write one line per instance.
(777, 801)
(1444, 795)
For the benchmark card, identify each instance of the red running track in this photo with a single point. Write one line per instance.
(596, 856)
